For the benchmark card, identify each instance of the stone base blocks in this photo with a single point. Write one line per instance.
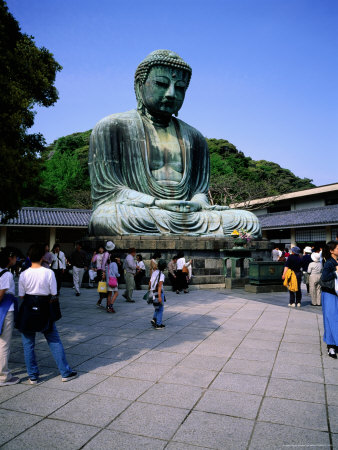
(207, 253)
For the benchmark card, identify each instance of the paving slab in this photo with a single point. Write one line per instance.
(189, 376)
(214, 431)
(292, 412)
(110, 439)
(124, 388)
(237, 382)
(176, 395)
(54, 434)
(34, 401)
(150, 420)
(90, 409)
(13, 423)
(297, 390)
(279, 437)
(230, 403)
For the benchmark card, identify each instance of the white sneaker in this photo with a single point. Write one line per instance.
(292, 305)
(332, 353)
(298, 305)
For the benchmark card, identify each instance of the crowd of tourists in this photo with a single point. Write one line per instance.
(318, 268)
(40, 283)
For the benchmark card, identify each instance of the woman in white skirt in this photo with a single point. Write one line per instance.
(314, 270)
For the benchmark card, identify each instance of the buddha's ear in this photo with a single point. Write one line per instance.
(139, 97)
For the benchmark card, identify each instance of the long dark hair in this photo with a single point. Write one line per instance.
(329, 247)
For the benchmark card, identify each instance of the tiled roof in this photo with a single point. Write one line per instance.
(326, 215)
(52, 217)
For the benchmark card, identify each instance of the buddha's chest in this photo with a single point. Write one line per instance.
(165, 155)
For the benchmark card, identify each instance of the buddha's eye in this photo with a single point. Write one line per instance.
(161, 84)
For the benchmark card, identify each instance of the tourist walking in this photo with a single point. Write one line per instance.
(58, 265)
(8, 304)
(330, 297)
(182, 271)
(153, 262)
(293, 264)
(130, 268)
(314, 270)
(92, 272)
(112, 275)
(101, 260)
(47, 258)
(172, 272)
(37, 287)
(156, 291)
(306, 260)
(140, 271)
(78, 259)
(275, 254)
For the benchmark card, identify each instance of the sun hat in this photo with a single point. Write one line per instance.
(110, 246)
(315, 257)
(308, 249)
(295, 250)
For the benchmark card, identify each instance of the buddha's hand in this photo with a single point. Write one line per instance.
(178, 206)
(216, 207)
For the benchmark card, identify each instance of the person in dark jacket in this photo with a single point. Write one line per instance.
(330, 298)
(78, 260)
(294, 263)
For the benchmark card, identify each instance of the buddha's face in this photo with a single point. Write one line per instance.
(164, 90)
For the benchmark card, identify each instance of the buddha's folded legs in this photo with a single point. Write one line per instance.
(112, 218)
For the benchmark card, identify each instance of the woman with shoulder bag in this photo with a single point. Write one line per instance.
(328, 283)
(37, 288)
(112, 274)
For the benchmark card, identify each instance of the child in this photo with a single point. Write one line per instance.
(156, 287)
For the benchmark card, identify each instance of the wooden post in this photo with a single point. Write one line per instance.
(52, 237)
(293, 237)
(328, 233)
(3, 236)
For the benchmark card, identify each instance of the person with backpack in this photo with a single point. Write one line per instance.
(37, 288)
(156, 291)
(8, 305)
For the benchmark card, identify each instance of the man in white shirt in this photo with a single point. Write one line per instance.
(130, 268)
(58, 265)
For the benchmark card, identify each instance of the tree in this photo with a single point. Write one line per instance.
(27, 78)
(236, 178)
(64, 177)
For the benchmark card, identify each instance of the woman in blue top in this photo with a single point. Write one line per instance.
(330, 298)
(112, 271)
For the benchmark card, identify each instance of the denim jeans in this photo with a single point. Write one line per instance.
(56, 347)
(158, 312)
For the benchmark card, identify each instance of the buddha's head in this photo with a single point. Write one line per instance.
(160, 83)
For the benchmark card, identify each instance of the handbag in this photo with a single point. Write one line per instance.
(102, 287)
(328, 285)
(112, 282)
(185, 269)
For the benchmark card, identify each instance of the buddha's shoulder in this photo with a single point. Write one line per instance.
(193, 132)
(114, 120)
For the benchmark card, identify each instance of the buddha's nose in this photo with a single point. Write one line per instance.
(170, 91)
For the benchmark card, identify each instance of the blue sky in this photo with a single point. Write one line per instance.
(264, 71)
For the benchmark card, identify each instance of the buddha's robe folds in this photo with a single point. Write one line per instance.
(124, 190)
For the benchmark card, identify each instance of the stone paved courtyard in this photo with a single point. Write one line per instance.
(231, 370)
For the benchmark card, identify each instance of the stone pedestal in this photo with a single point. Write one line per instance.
(207, 253)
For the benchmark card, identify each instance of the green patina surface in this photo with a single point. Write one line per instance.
(150, 171)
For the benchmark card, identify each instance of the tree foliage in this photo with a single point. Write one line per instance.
(237, 178)
(27, 78)
(65, 177)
